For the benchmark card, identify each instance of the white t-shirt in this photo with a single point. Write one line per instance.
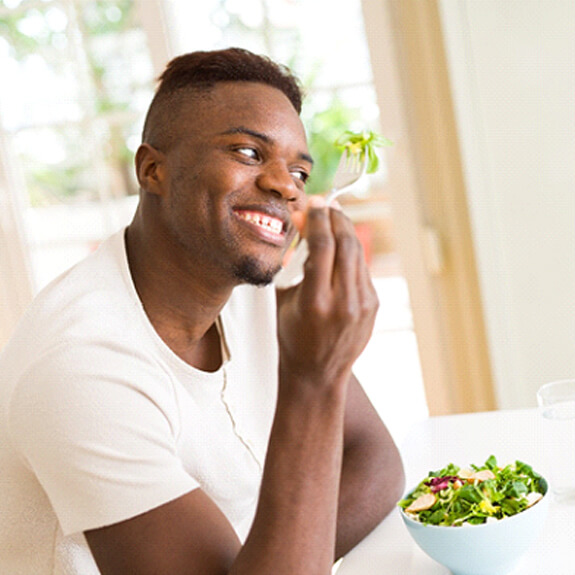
(100, 421)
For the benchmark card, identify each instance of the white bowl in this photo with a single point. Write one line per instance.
(492, 548)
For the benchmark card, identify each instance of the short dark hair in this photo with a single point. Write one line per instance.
(199, 72)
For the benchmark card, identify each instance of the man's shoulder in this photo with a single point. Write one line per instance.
(89, 288)
(90, 300)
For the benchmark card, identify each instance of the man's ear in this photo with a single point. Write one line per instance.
(150, 169)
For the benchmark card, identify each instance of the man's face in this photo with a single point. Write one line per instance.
(234, 176)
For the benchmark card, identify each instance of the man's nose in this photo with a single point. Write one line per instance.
(276, 178)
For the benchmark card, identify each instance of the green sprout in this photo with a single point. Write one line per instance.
(362, 144)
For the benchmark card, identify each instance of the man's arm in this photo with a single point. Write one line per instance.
(372, 476)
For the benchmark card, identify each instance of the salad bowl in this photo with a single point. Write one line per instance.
(492, 547)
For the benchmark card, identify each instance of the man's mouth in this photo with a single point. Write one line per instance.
(272, 228)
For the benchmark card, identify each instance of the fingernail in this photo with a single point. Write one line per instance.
(316, 202)
(336, 205)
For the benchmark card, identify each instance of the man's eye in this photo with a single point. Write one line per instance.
(301, 175)
(248, 152)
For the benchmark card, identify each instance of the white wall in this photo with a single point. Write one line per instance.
(512, 68)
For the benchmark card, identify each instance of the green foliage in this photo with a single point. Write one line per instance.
(23, 41)
(47, 185)
(102, 17)
(33, 31)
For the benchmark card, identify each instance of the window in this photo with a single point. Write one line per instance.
(77, 78)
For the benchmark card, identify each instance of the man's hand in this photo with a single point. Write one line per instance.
(325, 321)
(324, 324)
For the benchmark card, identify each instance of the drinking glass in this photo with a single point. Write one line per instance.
(557, 406)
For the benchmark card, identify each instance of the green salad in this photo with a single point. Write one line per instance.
(453, 496)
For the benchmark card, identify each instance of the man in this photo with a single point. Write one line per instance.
(161, 412)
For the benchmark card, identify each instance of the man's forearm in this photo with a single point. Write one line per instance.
(294, 530)
(372, 479)
(372, 482)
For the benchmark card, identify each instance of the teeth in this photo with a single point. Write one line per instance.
(266, 222)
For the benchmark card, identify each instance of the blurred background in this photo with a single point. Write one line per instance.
(468, 227)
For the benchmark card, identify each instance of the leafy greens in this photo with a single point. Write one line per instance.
(454, 496)
(361, 144)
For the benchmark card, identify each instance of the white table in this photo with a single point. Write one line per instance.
(466, 439)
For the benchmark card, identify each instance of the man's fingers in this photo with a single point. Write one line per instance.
(336, 260)
(347, 254)
(321, 242)
(350, 277)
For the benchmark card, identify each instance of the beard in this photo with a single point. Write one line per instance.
(249, 270)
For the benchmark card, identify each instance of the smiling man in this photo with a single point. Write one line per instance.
(163, 409)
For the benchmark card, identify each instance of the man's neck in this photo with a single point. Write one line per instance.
(183, 307)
